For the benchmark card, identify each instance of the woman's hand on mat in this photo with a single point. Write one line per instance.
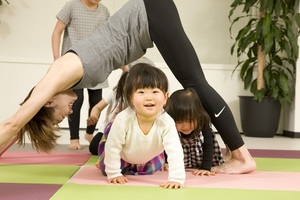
(119, 179)
(171, 185)
(203, 172)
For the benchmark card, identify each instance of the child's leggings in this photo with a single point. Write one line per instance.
(167, 33)
(126, 168)
(74, 119)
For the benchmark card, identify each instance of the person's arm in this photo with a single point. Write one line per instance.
(174, 151)
(113, 147)
(8, 145)
(96, 112)
(56, 38)
(208, 148)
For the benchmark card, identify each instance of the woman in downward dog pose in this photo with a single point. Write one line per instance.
(123, 38)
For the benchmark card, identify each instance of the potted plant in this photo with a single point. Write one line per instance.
(267, 50)
(1, 2)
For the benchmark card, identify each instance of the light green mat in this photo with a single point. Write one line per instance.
(278, 164)
(48, 174)
(74, 191)
(92, 161)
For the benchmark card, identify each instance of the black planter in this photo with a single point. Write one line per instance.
(259, 119)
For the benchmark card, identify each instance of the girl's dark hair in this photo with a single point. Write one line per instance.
(41, 129)
(185, 106)
(119, 88)
(143, 75)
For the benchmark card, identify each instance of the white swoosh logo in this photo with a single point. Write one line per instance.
(218, 114)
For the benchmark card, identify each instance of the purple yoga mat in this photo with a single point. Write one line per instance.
(267, 153)
(16, 191)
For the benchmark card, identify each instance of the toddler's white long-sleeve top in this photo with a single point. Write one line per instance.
(127, 141)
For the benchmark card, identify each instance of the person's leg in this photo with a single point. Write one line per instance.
(93, 148)
(167, 33)
(74, 121)
(94, 97)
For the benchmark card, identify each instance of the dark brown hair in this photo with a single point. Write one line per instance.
(143, 75)
(41, 129)
(119, 88)
(184, 105)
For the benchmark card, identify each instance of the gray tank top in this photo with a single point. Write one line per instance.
(122, 39)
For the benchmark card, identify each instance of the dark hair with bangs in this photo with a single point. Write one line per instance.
(184, 105)
(143, 75)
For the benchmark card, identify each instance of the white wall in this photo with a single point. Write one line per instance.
(25, 48)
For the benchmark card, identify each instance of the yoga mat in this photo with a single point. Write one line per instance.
(75, 191)
(59, 158)
(48, 174)
(92, 160)
(16, 191)
(267, 153)
(259, 180)
(278, 164)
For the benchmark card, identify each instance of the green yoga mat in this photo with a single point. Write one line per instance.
(48, 174)
(75, 191)
(92, 161)
(278, 164)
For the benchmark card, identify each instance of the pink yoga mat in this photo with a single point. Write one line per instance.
(259, 180)
(57, 158)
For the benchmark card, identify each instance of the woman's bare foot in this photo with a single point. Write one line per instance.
(227, 155)
(88, 137)
(74, 145)
(241, 162)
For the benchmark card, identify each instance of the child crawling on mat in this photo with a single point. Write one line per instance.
(135, 142)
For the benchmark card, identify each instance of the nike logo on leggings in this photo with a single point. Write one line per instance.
(219, 113)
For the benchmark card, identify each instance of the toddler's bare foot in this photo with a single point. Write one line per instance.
(98, 164)
(74, 145)
(241, 162)
(88, 137)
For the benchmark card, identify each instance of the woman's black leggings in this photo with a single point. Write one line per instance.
(167, 33)
(74, 119)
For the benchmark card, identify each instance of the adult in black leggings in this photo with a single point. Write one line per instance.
(123, 38)
(170, 38)
(95, 95)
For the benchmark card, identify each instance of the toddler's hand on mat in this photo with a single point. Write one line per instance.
(119, 179)
(171, 185)
(203, 172)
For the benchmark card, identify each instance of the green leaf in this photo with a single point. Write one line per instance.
(284, 81)
(248, 5)
(277, 7)
(266, 24)
(297, 19)
(268, 43)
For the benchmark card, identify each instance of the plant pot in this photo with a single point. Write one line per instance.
(259, 119)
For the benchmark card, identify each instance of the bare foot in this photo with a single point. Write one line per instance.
(98, 164)
(241, 162)
(88, 137)
(227, 155)
(74, 145)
